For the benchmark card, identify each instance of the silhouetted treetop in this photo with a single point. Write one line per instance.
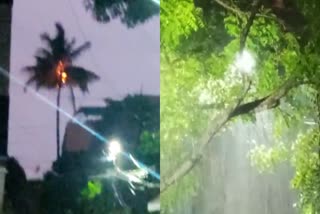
(130, 12)
(59, 50)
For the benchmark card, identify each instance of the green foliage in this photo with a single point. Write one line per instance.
(265, 159)
(304, 157)
(92, 190)
(178, 19)
(306, 161)
(150, 143)
(66, 188)
(198, 81)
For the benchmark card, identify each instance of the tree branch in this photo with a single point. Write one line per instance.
(260, 104)
(267, 102)
(247, 107)
(227, 7)
(255, 8)
(213, 129)
(237, 11)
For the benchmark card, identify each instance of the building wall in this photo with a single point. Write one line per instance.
(5, 35)
(76, 139)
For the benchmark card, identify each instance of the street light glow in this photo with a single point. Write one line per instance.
(245, 62)
(114, 149)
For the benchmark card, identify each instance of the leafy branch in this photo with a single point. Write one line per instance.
(245, 32)
(237, 11)
(267, 102)
(228, 7)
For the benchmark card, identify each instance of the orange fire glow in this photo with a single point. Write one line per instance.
(61, 74)
(64, 77)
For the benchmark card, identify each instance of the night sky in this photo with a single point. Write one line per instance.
(127, 60)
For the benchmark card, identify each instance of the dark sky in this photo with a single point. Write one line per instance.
(127, 60)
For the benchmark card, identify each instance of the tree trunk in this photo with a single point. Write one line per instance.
(58, 123)
(73, 100)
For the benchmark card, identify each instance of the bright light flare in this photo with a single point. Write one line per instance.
(114, 149)
(64, 77)
(61, 74)
(245, 62)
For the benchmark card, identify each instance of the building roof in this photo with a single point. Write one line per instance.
(155, 99)
(91, 110)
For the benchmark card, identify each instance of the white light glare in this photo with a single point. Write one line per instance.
(245, 62)
(114, 149)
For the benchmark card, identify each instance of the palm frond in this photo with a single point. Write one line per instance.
(31, 80)
(70, 45)
(40, 84)
(57, 44)
(81, 77)
(29, 68)
(42, 73)
(45, 37)
(44, 65)
(45, 54)
(60, 31)
(77, 52)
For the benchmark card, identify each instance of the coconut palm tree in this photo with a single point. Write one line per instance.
(54, 69)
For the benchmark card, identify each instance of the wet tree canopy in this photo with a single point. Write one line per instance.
(203, 90)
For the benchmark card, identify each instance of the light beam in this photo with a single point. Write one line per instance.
(88, 129)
